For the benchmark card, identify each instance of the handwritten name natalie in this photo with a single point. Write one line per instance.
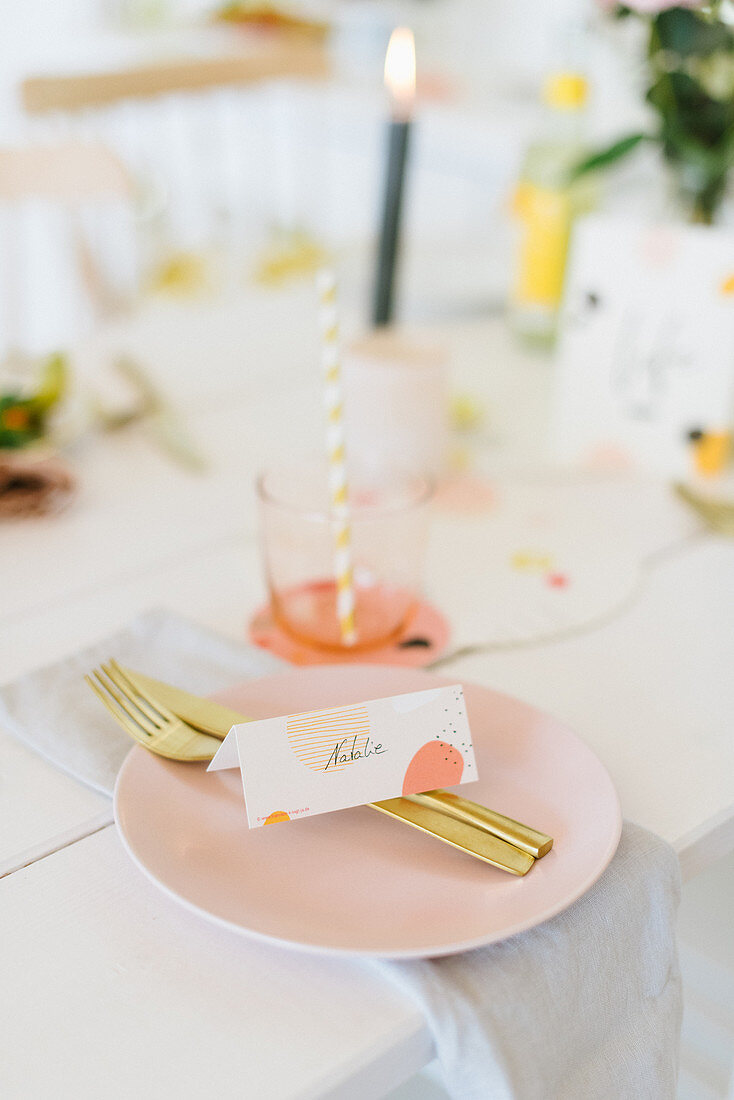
(340, 755)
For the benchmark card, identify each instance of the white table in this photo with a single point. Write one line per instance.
(130, 992)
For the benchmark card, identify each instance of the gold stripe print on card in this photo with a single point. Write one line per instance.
(312, 737)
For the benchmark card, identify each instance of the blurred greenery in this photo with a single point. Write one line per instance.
(691, 90)
(23, 416)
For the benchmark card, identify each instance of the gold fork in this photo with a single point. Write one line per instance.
(150, 724)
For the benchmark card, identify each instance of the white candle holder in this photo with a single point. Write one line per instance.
(396, 406)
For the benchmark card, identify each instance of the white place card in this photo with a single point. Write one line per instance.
(313, 763)
(645, 363)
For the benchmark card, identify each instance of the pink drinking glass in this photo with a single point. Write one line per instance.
(389, 528)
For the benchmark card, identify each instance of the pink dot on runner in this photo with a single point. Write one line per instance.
(557, 580)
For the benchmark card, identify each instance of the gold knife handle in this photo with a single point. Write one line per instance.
(529, 840)
(467, 838)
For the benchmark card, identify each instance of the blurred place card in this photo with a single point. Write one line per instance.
(326, 760)
(645, 366)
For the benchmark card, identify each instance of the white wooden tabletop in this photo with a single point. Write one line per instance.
(129, 991)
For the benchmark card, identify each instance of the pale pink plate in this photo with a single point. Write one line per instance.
(356, 881)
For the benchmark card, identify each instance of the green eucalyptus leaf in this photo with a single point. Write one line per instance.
(661, 94)
(603, 158)
(685, 32)
(685, 106)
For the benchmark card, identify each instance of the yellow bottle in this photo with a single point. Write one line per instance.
(544, 205)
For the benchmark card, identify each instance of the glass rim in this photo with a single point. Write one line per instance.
(425, 488)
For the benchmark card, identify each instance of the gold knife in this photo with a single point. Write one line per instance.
(202, 714)
(455, 824)
(460, 834)
(537, 844)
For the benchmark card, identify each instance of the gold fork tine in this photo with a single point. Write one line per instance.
(163, 733)
(154, 711)
(126, 704)
(117, 713)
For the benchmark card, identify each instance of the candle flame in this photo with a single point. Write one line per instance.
(400, 71)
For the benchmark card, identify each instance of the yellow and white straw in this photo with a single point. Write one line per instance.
(338, 489)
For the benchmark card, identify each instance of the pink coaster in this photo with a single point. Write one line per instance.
(423, 640)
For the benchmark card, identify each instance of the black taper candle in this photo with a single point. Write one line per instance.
(389, 245)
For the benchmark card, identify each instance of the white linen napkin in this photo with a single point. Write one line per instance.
(587, 1006)
(54, 712)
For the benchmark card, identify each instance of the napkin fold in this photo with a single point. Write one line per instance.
(54, 712)
(586, 1006)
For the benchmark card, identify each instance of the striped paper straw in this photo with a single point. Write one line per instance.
(338, 490)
